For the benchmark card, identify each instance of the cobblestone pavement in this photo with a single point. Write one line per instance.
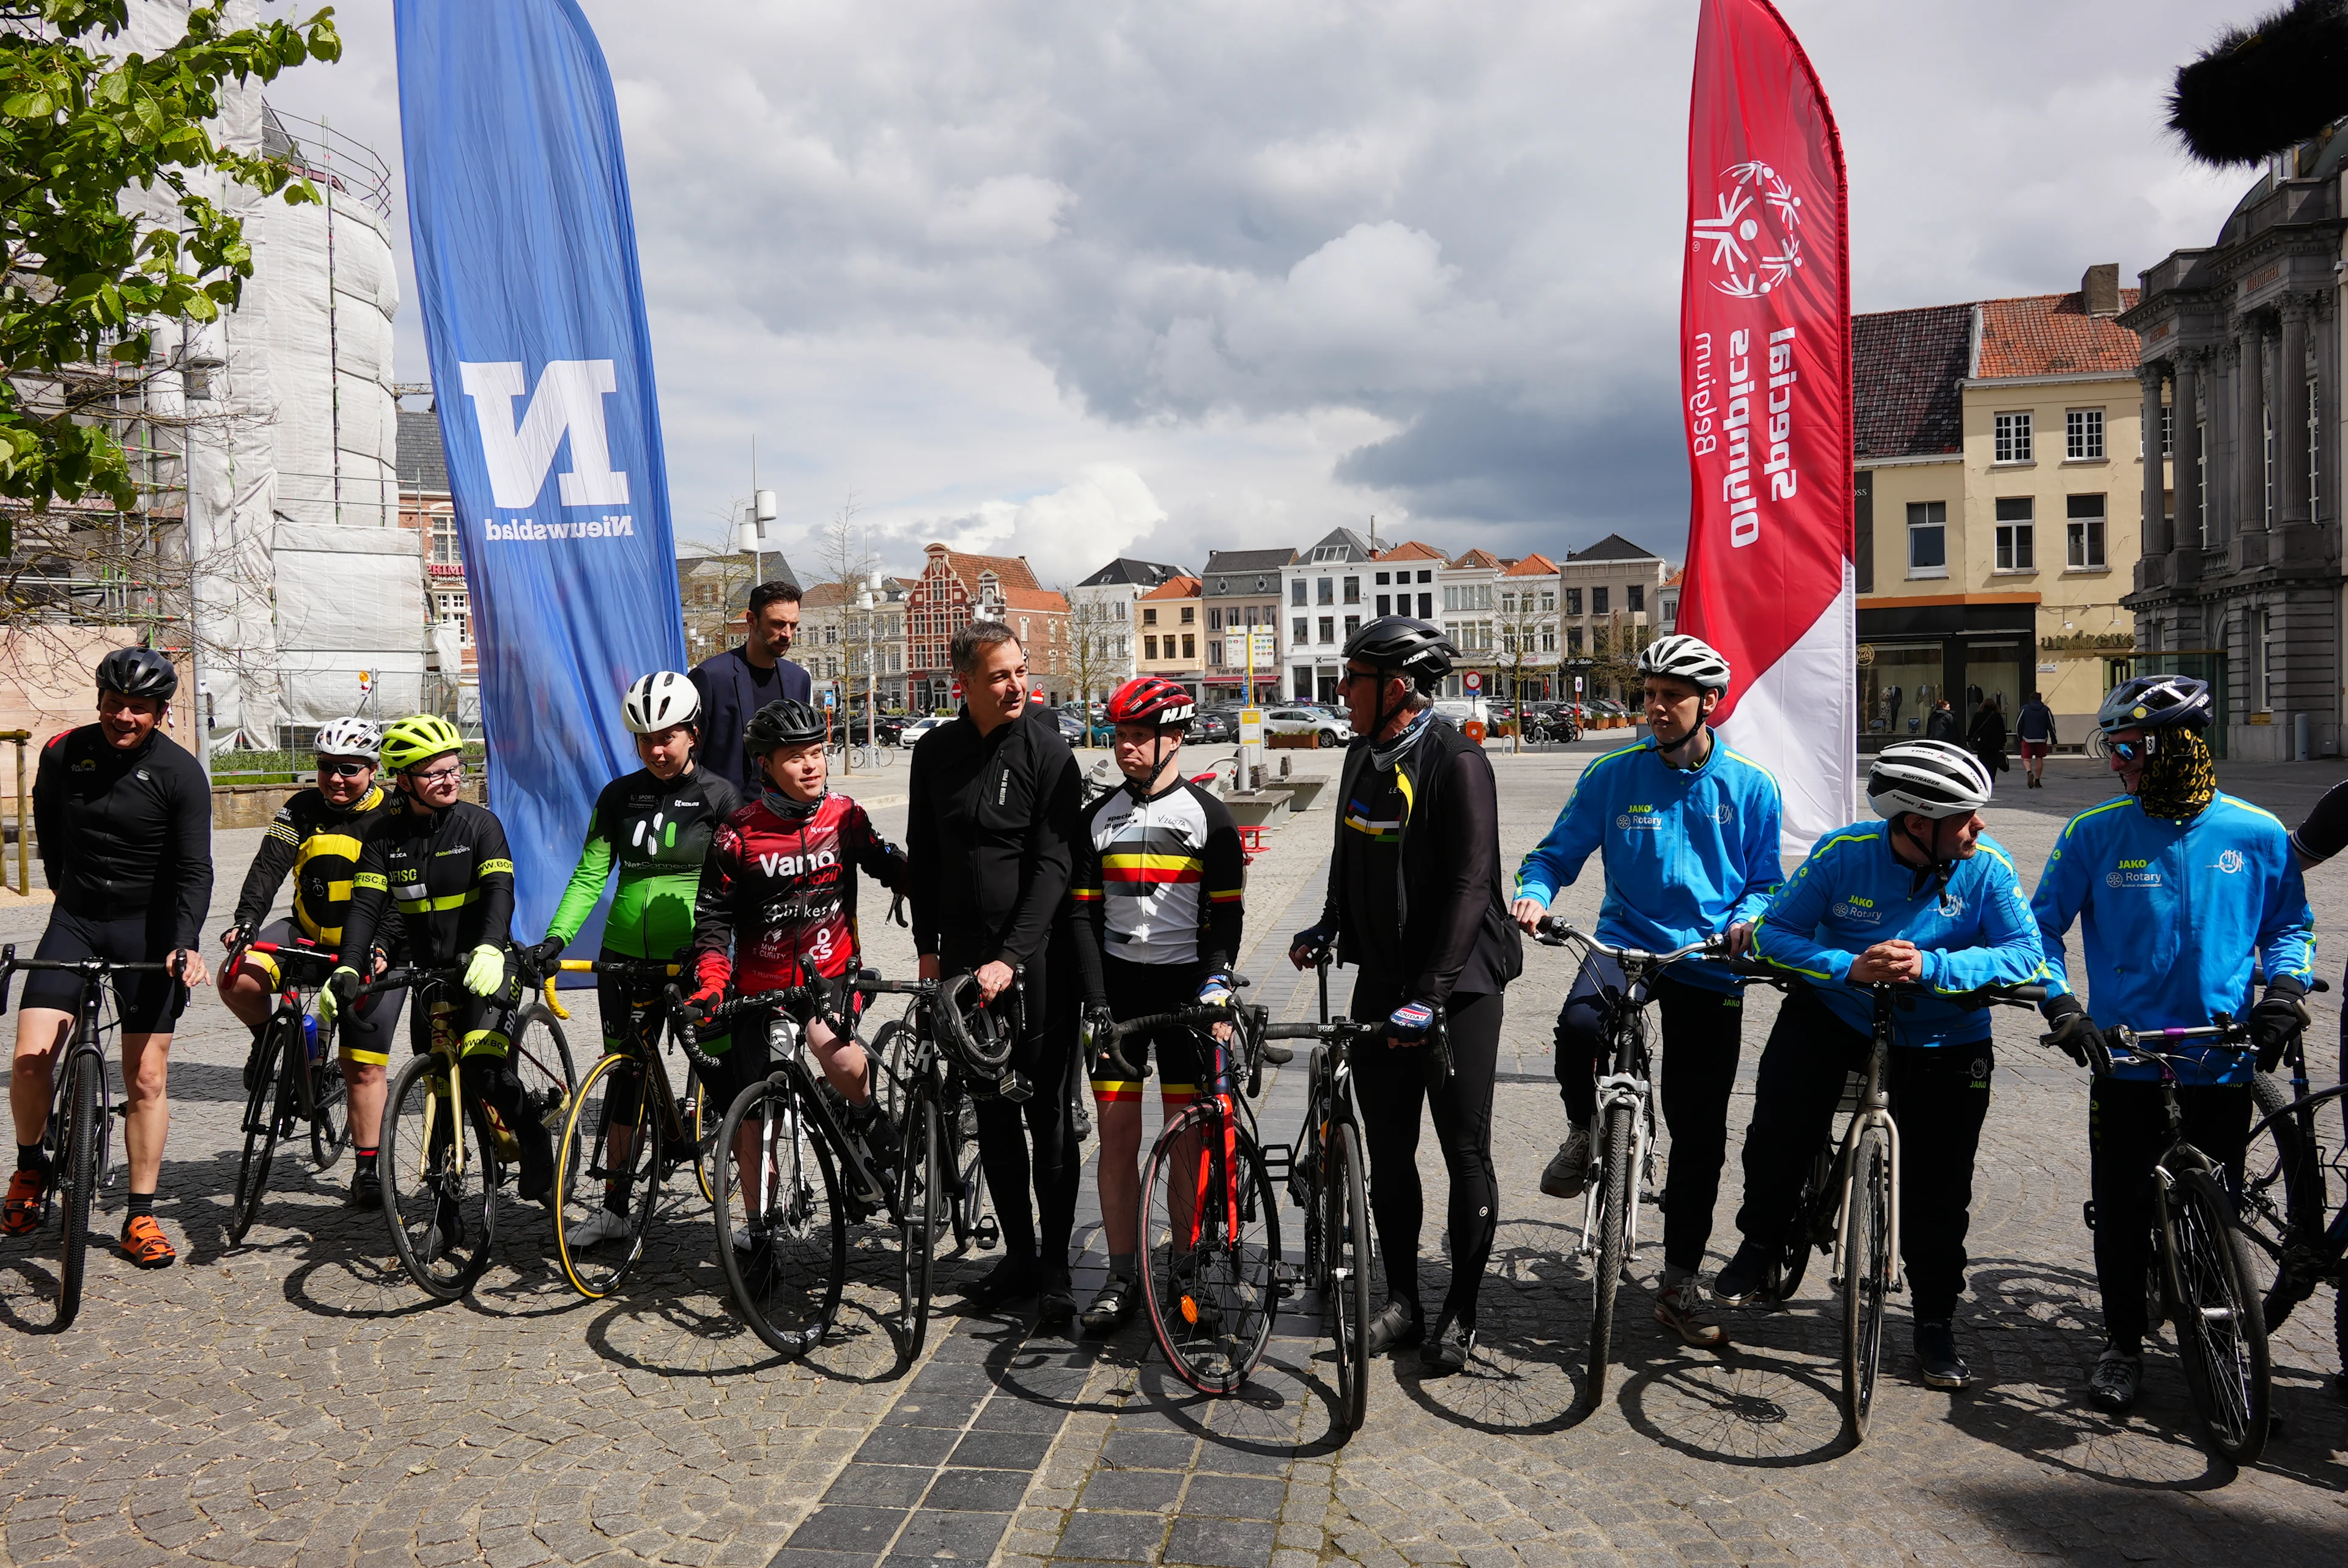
(295, 1401)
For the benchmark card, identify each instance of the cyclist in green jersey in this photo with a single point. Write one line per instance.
(655, 825)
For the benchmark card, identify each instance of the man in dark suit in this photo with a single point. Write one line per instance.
(739, 681)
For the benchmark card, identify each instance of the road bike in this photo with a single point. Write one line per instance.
(1210, 1226)
(949, 1058)
(1329, 1182)
(628, 1131)
(2292, 1170)
(446, 1150)
(2205, 1286)
(1849, 1200)
(78, 1137)
(1622, 1133)
(297, 1077)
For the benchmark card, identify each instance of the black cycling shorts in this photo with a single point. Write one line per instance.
(145, 1003)
(1135, 990)
(365, 1030)
(746, 1057)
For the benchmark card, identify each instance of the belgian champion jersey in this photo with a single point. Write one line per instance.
(1160, 877)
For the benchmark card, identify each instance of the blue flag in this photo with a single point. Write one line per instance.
(542, 376)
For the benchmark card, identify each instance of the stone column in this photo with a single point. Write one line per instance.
(2224, 368)
(2185, 533)
(2250, 430)
(2290, 418)
(2154, 538)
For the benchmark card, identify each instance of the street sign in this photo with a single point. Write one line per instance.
(1036, 695)
(831, 698)
(1251, 726)
(1262, 644)
(1577, 685)
(366, 681)
(1473, 681)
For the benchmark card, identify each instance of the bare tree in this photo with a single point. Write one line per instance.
(1089, 658)
(841, 549)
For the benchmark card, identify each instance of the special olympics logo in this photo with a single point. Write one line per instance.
(1754, 256)
(2231, 861)
(1723, 813)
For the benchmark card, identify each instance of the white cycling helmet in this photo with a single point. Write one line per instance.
(1686, 658)
(659, 700)
(1933, 779)
(349, 738)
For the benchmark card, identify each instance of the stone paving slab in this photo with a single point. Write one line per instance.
(295, 1401)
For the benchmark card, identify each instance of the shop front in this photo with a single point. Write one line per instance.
(1912, 656)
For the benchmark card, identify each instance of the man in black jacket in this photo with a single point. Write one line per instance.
(739, 681)
(1415, 904)
(990, 832)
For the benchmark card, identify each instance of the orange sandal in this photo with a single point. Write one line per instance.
(144, 1243)
(21, 1214)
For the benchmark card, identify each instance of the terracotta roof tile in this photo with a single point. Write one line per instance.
(1043, 599)
(1411, 551)
(1905, 370)
(2053, 334)
(1175, 587)
(1476, 558)
(1532, 566)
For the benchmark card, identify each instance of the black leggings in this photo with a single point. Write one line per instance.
(1033, 1140)
(2128, 1132)
(1392, 1086)
(1703, 1033)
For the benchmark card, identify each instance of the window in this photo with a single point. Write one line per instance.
(1386, 600)
(1573, 641)
(1638, 596)
(1299, 630)
(452, 608)
(2202, 485)
(2013, 437)
(1352, 624)
(2270, 656)
(1328, 628)
(2082, 434)
(1597, 602)
(1296, 592)
(2266, 422)
(1548, 639)
(1149, 618)
(2014, 527)
(1549, 600)
(2314, 444)
(1425, 602)
(1382, 579)
(2084, 526)
(1324, 591)
(1353, 590)
(2168, 430)
(1190, 644)
(1928, 538)
(445, 551)
(1214, 621)
(1573, 601)
(1214, 652)
(1189, 615)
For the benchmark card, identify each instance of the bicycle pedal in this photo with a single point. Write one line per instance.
(1278, 1161)
(987, 1234)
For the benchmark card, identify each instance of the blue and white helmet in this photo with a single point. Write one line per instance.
(2154, 702)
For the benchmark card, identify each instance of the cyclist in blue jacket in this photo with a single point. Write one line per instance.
(1926, 899)
(1687, 831)
(2183, 894)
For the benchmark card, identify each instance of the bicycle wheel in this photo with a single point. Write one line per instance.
(265, 1111)
(1345, 1269)
(330, 1126)
(83, 1131)
(2283, 1199)
(892, 1045)
(608, 1167)
(1813, 1218)
(1211, 1234)
(972, 1223)
(2221, 1336)
(439, 1198)
(921, 1209)
(540, 1058)
(782, 1235)
(701, 1120)
(1613, 1247)
(1866, 1276)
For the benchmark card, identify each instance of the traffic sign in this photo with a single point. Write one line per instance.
(1262, 644)
(831, 698)
(366, 681)
(1473, 681)
(1577, 685)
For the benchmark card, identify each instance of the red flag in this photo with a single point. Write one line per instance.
(1765, 369)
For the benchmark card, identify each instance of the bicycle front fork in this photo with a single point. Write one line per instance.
(1623, 1090)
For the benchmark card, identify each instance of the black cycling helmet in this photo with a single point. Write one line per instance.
(1411, 649)
(787, 723)
(137, 673)
(2153, 702)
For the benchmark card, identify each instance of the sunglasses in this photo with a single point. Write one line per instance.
(1349, 676)
(2132, 751)
(346, 770)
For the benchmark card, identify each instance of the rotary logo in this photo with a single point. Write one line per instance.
(1754, 236)
(1841, 911)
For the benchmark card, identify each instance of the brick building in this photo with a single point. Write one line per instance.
(956, 589)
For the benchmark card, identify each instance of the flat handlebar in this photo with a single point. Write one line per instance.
(1552, 932)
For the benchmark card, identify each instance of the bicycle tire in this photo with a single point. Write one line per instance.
(1865, 1277)
(887, 1055)
(1345, 1271)
(329, 1114)
(1211, 1294)
(2221, 1335)
(1812, 1210)
(265, 1113)
(585, 1180)
(971, 1221)
(702, 1123)
(541, 1056)
(785, 1281)
(2283, 1199)
(84, 1132)
(921, 1182)
(439, 1190)
(1613, 1250)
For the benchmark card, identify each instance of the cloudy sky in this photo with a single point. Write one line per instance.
(1148, 279)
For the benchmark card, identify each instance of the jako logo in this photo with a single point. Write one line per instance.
(569, 402)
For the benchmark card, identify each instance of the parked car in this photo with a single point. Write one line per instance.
(1324, 729)
(1216, 725)
(913, 732)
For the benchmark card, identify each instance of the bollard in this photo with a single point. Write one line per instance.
(2301, 747)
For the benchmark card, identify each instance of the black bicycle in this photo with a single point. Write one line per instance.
(1329, 1182)
(78, 1137)
(955, 1052)
(2295, 1164)
(297, 1078)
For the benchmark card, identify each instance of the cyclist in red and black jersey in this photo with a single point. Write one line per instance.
(779, 891)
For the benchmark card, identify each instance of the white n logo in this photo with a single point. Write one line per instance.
(568, 400)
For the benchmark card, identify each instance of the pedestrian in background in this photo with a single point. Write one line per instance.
(1986, 739)
(1943, 724)
(737, 683)
(2036, 727)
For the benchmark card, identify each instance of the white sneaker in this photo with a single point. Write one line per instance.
(599, 1226)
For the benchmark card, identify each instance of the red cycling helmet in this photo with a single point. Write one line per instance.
(1150, 700)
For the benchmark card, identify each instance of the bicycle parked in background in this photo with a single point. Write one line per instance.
(79, 1136)
(2295, 1167)
(297, 1077)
